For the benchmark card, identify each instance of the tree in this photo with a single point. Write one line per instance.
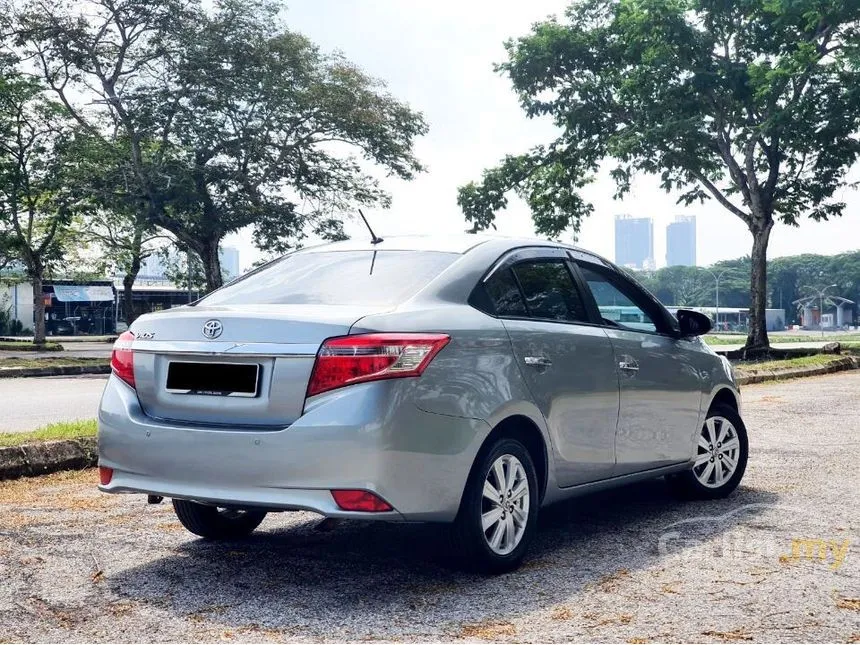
(231, 119)
(755, 104)
(119, 225)
(37, 203)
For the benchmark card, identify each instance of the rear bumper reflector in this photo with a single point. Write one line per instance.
(360, 500)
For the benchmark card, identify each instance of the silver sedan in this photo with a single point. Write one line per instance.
(468, 380)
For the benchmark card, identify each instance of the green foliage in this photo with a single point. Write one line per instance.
(225, 118)
(789, 278)
(755, 104)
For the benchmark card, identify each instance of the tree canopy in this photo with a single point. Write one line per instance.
(753, 103)
(228, 118)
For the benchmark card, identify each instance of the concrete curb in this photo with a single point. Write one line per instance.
(30, 460)
(68, 370)
(842, 364)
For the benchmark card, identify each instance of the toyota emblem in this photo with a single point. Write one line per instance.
(212, 328)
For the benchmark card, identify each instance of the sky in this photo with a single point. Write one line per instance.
(438, 57)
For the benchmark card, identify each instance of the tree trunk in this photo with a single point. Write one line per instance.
(757, 339)
(38, 309)
(128, 293)
(211, 263)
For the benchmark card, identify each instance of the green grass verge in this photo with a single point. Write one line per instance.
(51, 432)
(51, 362)
(739, 339)
(817, 360)
(26, 346)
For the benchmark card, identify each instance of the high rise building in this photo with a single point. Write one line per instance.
(634, 242)
(229, 256)
(681, 242)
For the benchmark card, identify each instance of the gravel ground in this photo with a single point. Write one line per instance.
(625, 566)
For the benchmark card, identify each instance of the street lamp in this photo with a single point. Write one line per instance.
(821, 293)
(717, 278)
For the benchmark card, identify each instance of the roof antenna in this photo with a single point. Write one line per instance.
(373, 238)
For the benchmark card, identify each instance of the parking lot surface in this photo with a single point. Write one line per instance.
(777, 561)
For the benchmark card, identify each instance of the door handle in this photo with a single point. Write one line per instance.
(628, 364)
(537, 361)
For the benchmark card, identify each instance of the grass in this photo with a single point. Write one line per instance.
(51, 432)
(26, 346)
(59, 361)
(738, 339)
(818, 360)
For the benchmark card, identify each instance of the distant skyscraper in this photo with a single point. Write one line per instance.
(681, 242)
(230, 261)
(634, 242)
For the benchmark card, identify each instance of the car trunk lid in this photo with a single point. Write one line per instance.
(233, 366)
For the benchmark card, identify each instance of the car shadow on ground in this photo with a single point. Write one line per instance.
(376, 578)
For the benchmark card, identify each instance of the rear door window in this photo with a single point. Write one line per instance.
(549, 291)
(336, 278)
(505, 293)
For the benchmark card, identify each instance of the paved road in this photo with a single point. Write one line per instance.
(28, 403)
(624, 566)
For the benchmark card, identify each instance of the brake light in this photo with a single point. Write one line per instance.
(122, 358)
(346, 360)
(360, 500)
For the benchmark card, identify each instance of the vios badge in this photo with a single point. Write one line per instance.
(212, 328)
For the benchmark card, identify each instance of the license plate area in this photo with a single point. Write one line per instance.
(213, 379)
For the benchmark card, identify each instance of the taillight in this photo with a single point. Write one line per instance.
(360, 500)
(369, 357)
(122, 358)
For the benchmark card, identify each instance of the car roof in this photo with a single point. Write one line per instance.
(458, 243)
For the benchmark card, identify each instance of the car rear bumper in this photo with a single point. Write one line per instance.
(354, 439)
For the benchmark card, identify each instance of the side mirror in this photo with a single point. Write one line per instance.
(692, 323)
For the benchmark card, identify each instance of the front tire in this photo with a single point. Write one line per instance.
(721, 457)
(498, 513)
(214, 523)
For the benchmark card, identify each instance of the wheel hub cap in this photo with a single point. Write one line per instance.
(718, 452)
(505, 504)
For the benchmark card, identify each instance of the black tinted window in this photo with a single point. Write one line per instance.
(337, 278)
(549, 291)
(505, 294)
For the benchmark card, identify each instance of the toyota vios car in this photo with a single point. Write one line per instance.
(469, 380)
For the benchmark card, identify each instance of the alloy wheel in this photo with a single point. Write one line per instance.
(718, 452)
(505, 504)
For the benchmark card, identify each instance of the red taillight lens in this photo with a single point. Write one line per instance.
(368, 357)
(105, 475)
(122, 358)
(360, 500)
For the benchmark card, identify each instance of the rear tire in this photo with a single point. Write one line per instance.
(215, 523)
(721, 459)
(498, 513)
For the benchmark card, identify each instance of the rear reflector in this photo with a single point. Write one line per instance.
(105, 475)
(360, 500)
(346, 360)
(122, 358)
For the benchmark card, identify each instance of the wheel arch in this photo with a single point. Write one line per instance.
(525, 430)
(725, 396)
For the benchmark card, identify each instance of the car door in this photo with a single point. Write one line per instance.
(567, 364)
(661, 386)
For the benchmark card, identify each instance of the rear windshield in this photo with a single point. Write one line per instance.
(336, 278)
